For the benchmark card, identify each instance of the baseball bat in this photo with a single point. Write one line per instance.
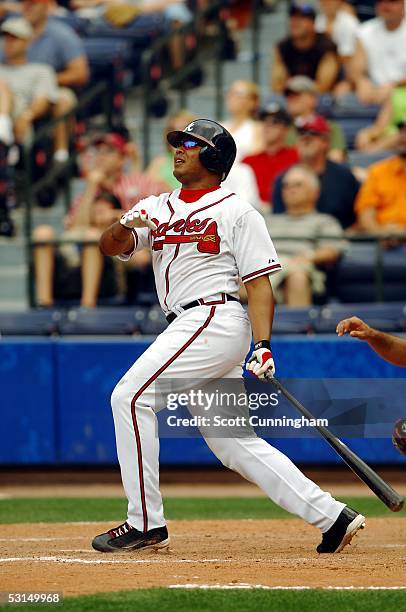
(382, 489)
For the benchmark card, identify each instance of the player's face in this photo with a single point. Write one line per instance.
(187, 166)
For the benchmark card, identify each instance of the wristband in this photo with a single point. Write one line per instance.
(262, 344)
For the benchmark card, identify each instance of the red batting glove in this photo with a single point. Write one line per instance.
(261, 362)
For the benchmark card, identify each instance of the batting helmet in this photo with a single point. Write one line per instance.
(218, 147)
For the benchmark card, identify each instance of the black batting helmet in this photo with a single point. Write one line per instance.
(218, 147)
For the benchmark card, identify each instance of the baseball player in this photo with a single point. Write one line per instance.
(203, 239)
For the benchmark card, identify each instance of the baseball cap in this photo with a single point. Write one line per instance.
(303, 9)
(18, 27)
(116, 141)
(315, 124)
(300, 84)
(401, 124)
(275, 110)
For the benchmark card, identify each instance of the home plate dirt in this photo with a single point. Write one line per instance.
(58, 557)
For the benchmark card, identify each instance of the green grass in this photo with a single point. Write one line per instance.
(182, 600)
(60, 510)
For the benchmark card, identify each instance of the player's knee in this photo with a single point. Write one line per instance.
(221, 450)
(119, 397)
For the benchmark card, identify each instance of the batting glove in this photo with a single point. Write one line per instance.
(261, 362)
(137, 218)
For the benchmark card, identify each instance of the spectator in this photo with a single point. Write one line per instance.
(72, 270)
(305, 52)
(381, 202)
(379, 63)
(242, 101)
(27, 91)
(338, 186)
(57, 44)
(161, 167)
(105, 174)
(276, 156)
(382, 134)
(301, 102)
(312, 239)
(341, 25)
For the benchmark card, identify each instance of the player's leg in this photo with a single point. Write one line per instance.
(193, 345)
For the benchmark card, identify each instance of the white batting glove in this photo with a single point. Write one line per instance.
(261, 362)
(137, 218)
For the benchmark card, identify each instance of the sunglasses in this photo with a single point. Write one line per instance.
(189, 144)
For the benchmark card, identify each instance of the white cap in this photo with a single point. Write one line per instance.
(18, 27)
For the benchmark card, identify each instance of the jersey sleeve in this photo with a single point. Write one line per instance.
(141, 234)
(254, 251)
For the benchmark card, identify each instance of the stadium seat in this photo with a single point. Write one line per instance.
(294, 320)
(100, 321)
(383, 316)
(357, 274)
(31, 323)
(154, 322)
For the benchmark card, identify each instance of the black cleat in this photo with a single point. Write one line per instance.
(342, 532)
(126, 538)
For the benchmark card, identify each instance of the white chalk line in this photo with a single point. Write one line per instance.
(53, 559)
(265, 587)
(69, 538)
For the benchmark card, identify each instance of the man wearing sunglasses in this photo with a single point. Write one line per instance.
(379, 62)
(203, 239)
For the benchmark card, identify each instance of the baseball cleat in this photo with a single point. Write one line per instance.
(127, 538)
(342, 532)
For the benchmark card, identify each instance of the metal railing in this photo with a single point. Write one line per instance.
(31, 188)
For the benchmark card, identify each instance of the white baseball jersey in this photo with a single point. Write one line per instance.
(219, 230)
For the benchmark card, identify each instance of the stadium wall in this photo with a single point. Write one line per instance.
(56, 408)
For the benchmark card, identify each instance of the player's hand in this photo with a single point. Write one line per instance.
(261, 362)
(355, 327)
(137, 218)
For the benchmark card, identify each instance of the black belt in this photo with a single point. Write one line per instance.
(225, 298)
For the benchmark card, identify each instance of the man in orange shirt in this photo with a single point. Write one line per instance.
(381, 202)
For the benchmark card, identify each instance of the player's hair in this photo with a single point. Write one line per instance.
(308, 173)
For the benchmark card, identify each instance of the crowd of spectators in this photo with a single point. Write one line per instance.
(292, 163)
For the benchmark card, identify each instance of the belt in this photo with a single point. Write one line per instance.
(200, 302)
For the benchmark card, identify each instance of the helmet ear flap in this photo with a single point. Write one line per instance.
(209, 157)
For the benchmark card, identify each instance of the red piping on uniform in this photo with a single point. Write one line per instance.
(134, 416)
(263, 271)
(178, 245)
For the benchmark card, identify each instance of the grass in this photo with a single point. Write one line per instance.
(235, 600)
(70, 509)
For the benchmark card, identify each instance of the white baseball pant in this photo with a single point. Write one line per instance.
(208, 342)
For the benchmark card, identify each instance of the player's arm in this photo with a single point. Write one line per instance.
(391, 348)
(121, 238)
(261, 311)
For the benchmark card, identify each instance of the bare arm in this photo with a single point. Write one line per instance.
(327, 72)
(75, 74)
(279, 73)
(367, 221)
(6, 99)
(260, 307)
(116, 240)
(391, 348)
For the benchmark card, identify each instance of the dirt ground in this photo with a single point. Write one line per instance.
(58, 557)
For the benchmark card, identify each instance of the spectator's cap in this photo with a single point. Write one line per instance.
(277, 111)
(316, 125)
(116, 141)
(300, 84)
(18, 27)
(303, 9)
(401, 125)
